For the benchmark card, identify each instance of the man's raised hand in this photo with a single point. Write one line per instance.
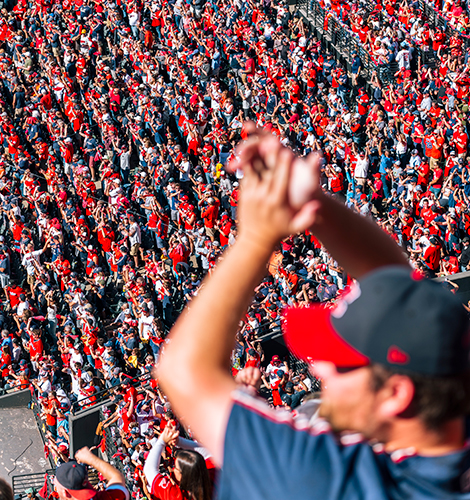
(280, 193)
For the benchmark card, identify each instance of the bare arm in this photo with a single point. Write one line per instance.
(356, 243)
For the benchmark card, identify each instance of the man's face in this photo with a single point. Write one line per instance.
(62, 492)
(348, 401)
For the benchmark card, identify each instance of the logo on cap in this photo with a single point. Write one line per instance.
(396, 356)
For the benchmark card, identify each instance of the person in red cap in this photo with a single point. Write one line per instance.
(393, 356)
(71, 479)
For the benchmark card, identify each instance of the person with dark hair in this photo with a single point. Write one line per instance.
(393, 356)
(189, 478)
(6, 493)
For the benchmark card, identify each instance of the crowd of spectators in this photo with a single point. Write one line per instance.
(118, 122)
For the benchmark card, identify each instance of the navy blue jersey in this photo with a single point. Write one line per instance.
(271, 455)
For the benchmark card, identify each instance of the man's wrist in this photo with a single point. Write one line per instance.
(257, 244)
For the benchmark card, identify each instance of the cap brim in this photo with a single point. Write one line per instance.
(310, 336)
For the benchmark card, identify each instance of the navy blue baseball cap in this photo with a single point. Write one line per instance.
(390, 317)
(74, 478)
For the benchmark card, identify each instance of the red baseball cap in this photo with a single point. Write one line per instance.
(311, 336)
(389, 318)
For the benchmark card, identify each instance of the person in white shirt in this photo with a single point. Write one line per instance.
(23, 305)
(145, 322)
(135, 239)
(184, 169)
(134, 23)
(403, 58)
(425, 105)
(77, 374)
(362, 168)
(32, 263)
(415, 159)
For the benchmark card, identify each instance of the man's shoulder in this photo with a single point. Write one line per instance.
(300, 458)
(297, 456)
(113, 492)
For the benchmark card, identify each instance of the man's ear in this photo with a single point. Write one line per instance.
(396, 396)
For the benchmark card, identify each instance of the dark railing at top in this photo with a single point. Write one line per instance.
(341, 41)
(436, 19)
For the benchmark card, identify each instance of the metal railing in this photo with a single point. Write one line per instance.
(22, 482)
(338, 38)
(436, 19)
(115, 456)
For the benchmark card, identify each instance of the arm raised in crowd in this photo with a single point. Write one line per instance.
(110, 473)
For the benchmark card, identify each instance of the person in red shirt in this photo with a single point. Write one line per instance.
(188, 464)
(253, 359)
(106, 237)
(46, 100)
(96, 353)
(336, 179)
(450, 265)
(426, 213)
(49, 406)
(224, 226)
(129, 392)
(14, 291)
(250, 67)
(5, 362)
(460, 139)
(178, 252)
(432, 256)
(377, 189)
(16, 230)
(362, 102)
(209, 214)
(89, 339)
(36, 348)
(436, 151)
(13, 144)
(233, 200)
(438, 38)
(423, 175)
(435, 185)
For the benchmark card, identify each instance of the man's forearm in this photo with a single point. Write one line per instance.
(355, 242)
(110, 473)
(209, 326)
(195, 363)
